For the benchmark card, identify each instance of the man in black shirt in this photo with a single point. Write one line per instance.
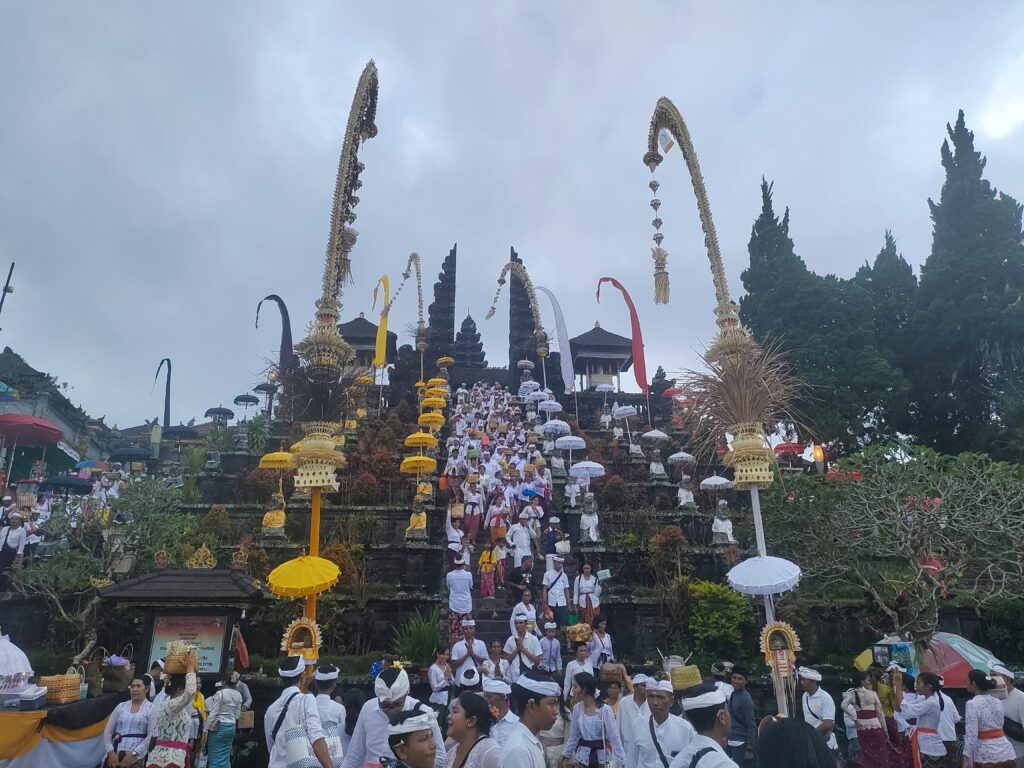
(523, 579)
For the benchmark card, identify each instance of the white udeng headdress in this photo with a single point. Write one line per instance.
(395, 691)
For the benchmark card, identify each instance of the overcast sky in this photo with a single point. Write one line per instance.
(165, 165)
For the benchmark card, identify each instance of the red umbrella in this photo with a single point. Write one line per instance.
(672, 392)
(28, 430)
(783, 448)
(952, 658)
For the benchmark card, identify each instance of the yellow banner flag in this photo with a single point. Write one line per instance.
(380, 350)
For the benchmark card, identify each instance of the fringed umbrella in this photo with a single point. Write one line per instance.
(654, 435)
(622, 413)
(682, 457)
(585, 471)
(764, 576)
(421, 440)
(277, 460)
(549, 406)
(715, 483)
(555, 428)
(570, 443)
(303, 576)
(536, 396)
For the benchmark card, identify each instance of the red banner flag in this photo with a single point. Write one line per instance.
(639, 363)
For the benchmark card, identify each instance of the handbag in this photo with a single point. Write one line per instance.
(118, 676)
(93, 675)
(563, 547)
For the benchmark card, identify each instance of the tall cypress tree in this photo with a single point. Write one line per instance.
(968, 325)
(823, 324)
(441, 312)
(469, 349)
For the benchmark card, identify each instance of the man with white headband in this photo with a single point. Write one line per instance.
(411, 739)
(535, 701)
(370, 738)
(818, 707)
(1013, 711)
(496, 693)
(632, 707)
(295, 709)
(704, 706)
(659, 736)
(468, 650)
(325, 680)
(522, 650)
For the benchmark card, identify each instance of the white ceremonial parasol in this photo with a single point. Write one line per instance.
(715, 483)
(584, 471)
(570, 443)
(536, 396)
(624, 411)
(604, 389)
(654, 435)
(528, 386)
(555, 428)
(549, 406)
(764, 576)
(681, 458)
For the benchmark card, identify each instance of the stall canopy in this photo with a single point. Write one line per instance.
(28, 431)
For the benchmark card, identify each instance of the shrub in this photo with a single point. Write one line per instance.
(418, 636)
(614, 493)
(668, 550)
(717, 616)
(365, 489)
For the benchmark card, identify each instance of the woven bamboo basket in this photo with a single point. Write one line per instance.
(63, 689)
(685, 676)
(579, 633)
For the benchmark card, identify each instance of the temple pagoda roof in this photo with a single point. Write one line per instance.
(597, 339)
(198, 586)
(362, 334)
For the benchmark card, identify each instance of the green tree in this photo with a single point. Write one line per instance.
(825, 328)
(969, 315)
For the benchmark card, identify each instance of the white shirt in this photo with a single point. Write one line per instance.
(572, 669)
(583, 586)
(551, 654)
(331, 712)
(629, 711)
(438, 685)
(370, 737)
(601, 645)
(520, 535)
(501, 730)
(499, 670)
(531, 644)
(1013, 707)
(224, 706)
(673, 736)
(14, 538)
(302, 711)
(948, 719)
(715, 759)
(556, 582)
(926, 710)
(817, 709)
(522, 749)
(460, 650)
(460, 591)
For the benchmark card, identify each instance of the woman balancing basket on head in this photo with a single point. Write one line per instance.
(174, 722)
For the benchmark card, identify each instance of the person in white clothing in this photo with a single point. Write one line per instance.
(411, 740)
(927, 708)
(370, 737)
(579, 664)
(496, 692)
(631, 708)
(325, 680)
(948, 719)
(818, 707)
(659, 736)
(460, 596)
(527, 609)
(985, 743)
(222, 712)
(550, 650)
(440, 677)
(536, 704)
(295, 709)
(705, 708)
(494, 666)
(12, 547)
(522, 650)
(1013, 711)
(468, 651)
(521, 536)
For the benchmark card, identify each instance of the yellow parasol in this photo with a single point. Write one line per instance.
(437, 392)
(432, 402)
(445, 362)
(277, 460)
(436, 382)
(305, 575)
(416, 465)
(431, 419)
(364, 381)
(421, 440)
(420, 383)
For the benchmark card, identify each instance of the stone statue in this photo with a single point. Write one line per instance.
(606, 416)
(273, 520)
(588, 520)
(721, 528)
(684, 495)
(657, 469)
(417, 530)
(572, 492)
